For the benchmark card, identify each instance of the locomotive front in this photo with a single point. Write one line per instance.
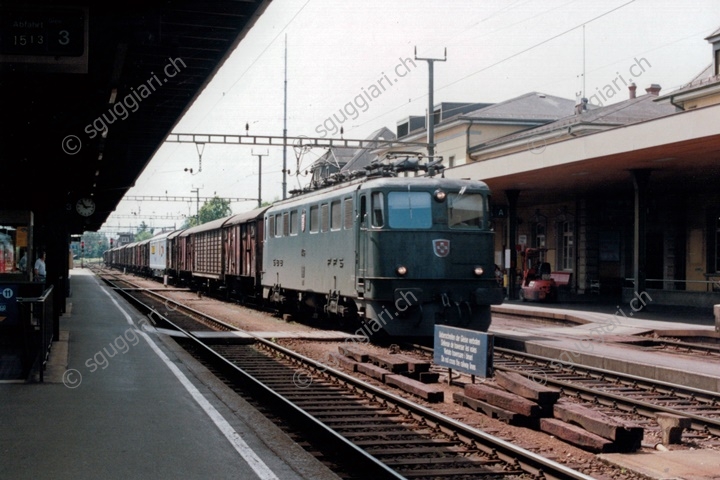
(425, 255)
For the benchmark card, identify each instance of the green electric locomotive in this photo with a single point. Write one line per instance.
(399, 254)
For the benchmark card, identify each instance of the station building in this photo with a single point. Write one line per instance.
(625, 198)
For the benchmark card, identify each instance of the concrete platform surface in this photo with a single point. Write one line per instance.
(122, 401)
(686, 465)
(602, 337)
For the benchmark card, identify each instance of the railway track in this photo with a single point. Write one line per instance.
(705, 350)
(159, 306)
(627, 393)
(362, 427)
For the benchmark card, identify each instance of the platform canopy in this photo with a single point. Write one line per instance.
(89, 91)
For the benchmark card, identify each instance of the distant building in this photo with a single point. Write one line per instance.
(125, 239)
(704, 89)
(583, 122)
(459, 127)
(336, 159)
(623, 196)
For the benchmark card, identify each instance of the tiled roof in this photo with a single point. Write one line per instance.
(633, 110)
(701, 80)
(533, 106)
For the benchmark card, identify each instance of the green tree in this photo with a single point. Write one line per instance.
(95, 244)
(268, 203)
(211, 210)
(143, 232)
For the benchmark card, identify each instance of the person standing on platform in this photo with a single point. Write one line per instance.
(22, 264)
(40, 271)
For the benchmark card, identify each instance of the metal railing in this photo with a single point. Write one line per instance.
(712, 284)
(36, 332)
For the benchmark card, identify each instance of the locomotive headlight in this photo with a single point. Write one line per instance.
(401, 270)
(440, 195)
(478, 271)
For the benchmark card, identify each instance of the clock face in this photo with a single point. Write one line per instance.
(85, 207)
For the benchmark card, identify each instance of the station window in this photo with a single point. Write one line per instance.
(713, 241)
(335, 215)
(324, 217)
(409, 210)
(538, 238)
(314, 219)
(294, 222)
(9, 253)
(349, 214)
(567, 245)
(466, 211)
(377, 209)
(717, 244)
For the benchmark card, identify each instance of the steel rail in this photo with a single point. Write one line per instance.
(532, 463)
(375, 468)
(642, 384)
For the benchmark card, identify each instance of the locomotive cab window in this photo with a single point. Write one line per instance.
(409, 210)
(363, 212)
(466, 211)
(377, 209)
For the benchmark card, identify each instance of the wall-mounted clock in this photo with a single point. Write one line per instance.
(85, 207)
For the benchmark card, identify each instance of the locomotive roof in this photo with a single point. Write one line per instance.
(386, 182)
(424, 182)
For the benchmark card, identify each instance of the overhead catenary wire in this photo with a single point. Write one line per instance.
(503, 60)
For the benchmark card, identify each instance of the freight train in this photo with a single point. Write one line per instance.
(397, 254)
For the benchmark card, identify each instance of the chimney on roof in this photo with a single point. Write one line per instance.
(653, 89)
(582, 106)
(632, 87)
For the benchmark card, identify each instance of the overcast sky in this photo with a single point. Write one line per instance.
(352, 63)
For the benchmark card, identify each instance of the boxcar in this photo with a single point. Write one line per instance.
(158, 255)
(201, 248)
(142, 257)
(243, 248)
(173, 255)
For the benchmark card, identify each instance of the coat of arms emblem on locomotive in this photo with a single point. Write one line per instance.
(441, 247)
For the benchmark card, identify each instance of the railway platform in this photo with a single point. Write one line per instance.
(603, 333)
(120, 400)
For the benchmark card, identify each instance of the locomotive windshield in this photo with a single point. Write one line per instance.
(409, 210)
(466, 211)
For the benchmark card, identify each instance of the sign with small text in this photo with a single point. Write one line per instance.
(44, 38)
(467, 351)
(8, 305)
